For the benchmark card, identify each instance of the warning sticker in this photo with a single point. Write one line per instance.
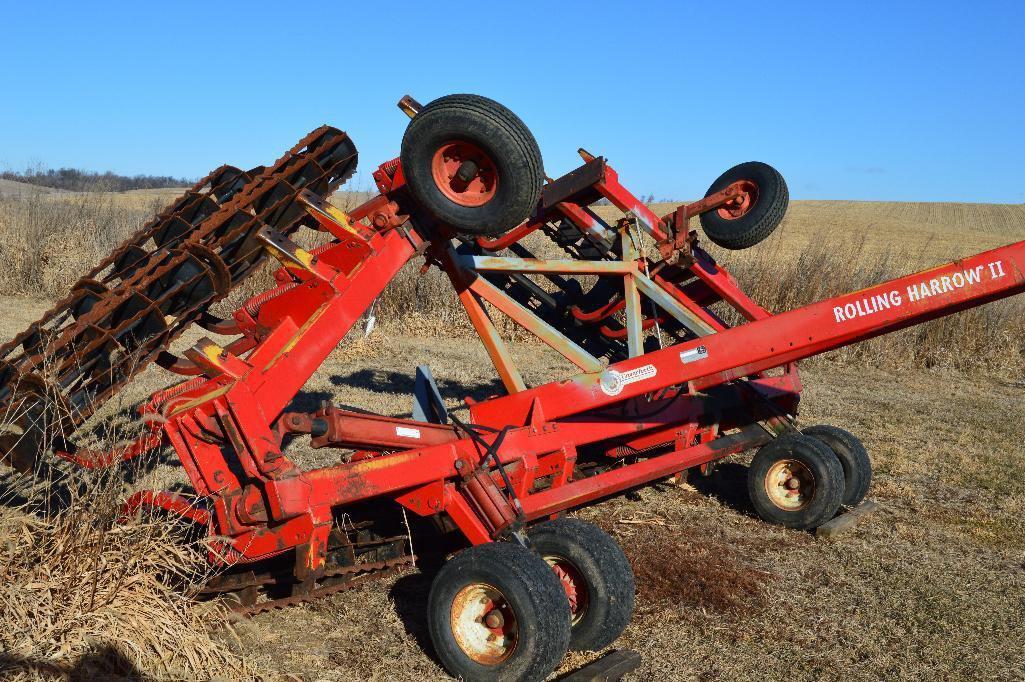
(613, 382)
(407, 432)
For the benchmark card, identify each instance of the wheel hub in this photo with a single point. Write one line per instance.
(464, 173)
(483, 624)
(790, 485)
(574, 585)
(744, 195)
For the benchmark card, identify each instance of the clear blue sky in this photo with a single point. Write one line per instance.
(866, 100)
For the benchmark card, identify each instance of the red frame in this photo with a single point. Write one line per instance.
(262, 504)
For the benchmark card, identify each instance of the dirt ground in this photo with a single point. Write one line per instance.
(932, 586)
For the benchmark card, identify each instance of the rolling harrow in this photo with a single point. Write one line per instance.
(664, 382)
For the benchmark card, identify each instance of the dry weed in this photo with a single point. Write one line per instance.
(87, 593)
(85, 597)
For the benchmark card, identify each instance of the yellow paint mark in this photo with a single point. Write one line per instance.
(196, 402)
(298, 335)
(381, 463)
(340, 217)
(212, 352)
(305, 256)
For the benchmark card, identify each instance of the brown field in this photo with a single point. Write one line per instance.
(930, 587)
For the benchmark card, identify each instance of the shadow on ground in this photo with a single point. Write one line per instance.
(106, 663)
(728, 484)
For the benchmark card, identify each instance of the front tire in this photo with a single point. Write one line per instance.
(498, 612)
(596, 575)
(795, 481)
(472, 164)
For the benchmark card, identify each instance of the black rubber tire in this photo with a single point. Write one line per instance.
(764, 216)
(498, 132)
(848, 448)
(604, 568)
(533, 592)
(820, 461)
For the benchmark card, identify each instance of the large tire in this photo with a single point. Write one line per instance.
(857, 467)
(740, 227)
(795, 481)
(498, 612)
(507, 169)
(596, 575)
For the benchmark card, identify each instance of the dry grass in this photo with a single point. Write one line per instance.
(87, 593)
(85, 596)
(50, 239)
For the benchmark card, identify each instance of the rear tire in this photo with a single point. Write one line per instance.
(744, 226)
(795, 481)
(503, 169)
(596, 575)
(857, 467)
(498, 612)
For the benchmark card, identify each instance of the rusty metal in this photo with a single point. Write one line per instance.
(113, 324)
(345, 579)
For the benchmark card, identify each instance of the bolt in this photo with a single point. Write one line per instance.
(459, 464)
(467, 169)
(793, 484)
(494, 619)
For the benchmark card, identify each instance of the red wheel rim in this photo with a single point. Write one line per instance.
(480, 176)
(574, 585)
(745, 194)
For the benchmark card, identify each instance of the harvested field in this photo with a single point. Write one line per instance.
(930, 587)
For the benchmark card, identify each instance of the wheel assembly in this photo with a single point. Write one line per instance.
(848, 448)
(498, 611)
(596, 576)
(472, 164)
(795, 481)
(759, 200)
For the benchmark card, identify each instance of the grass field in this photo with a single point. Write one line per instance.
(930, 587)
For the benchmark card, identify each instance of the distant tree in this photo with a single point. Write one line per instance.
(77, 180)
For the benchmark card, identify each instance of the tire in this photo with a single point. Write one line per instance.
(590, 562)
(531, 606)
(819, 477)
(752, 223)
(483, 130)
(857, 467)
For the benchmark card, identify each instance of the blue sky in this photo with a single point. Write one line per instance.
(868, 100)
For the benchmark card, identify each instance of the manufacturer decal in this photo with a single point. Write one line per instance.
(613, 382)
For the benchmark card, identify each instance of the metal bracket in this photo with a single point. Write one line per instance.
(427, 403)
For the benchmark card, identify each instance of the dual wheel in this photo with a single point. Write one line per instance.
(801, 480)
(501, 611)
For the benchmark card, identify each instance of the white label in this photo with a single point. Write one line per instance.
(694, 354)
(946, 286)
(407, 432)
(613, 382)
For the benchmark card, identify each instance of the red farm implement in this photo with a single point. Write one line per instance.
(663, 383)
